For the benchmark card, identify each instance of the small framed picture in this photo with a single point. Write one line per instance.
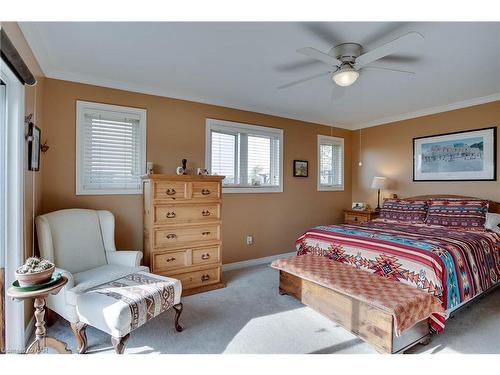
(300, 168)
(33, 147)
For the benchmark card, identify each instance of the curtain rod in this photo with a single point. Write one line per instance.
(15, 62)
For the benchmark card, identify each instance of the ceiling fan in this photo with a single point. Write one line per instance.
(347, 59)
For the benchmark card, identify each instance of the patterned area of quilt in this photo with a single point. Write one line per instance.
(407, 305)
(453, 265)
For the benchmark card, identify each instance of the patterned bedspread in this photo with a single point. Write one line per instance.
(453, 265)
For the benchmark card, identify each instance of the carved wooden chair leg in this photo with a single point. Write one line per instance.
(178, 311)
(119, 343)
(81, 336)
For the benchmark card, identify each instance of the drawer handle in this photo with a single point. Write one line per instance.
(171, 236)
(355, 218)
(171, 192)
(205, 233)
(205, 191)
(205, 256)
(170, 259)
(205, 277)
(205, 213)
(170, 215)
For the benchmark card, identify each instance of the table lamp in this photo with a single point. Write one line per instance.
(379, 183)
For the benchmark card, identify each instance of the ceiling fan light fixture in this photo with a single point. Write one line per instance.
(345, 76)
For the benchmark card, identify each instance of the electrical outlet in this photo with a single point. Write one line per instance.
(249, 240)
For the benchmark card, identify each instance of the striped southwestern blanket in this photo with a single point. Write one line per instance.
(453, 265)
(145, 295)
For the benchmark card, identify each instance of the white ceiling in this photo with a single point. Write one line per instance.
(240, 65)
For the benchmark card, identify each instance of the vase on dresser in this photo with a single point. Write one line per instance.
(182, 229)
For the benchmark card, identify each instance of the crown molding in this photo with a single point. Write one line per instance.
(430, 111)
(149, 90)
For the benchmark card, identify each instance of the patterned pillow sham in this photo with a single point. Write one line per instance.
(467, 214)
(414, 211)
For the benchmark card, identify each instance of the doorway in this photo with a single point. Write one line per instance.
(11, 205)
(3, 116)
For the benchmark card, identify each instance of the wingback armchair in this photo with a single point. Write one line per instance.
(81, 244)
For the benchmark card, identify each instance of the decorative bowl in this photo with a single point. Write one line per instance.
(27, 279)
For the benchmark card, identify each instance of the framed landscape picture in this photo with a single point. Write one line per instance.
(300, 168)
(462, 156)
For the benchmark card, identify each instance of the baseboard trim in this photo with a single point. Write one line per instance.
(30, 328)
(255, 262)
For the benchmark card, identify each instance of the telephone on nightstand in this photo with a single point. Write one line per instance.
(359, 206)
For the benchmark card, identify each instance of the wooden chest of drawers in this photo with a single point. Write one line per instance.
(182, 229)
(358, 217)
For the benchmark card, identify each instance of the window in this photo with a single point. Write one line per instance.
(330, 163)
(110, 149)
(250, 156)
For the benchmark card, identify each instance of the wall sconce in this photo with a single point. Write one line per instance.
(44, 147)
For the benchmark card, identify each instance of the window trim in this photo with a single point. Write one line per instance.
(329, 140)
(223, 125)
(81, 107)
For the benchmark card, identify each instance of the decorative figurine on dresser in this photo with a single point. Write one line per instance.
(182, 229)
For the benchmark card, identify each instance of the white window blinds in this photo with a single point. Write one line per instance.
(111, 149)
(249, 156)
(330, 163)
(224, 156)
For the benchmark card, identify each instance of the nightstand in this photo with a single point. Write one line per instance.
(357, 217)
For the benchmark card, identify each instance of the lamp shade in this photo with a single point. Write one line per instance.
(379, 182)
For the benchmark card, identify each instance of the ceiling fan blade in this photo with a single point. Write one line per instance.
(317, 75)
(318, 55)
(387, 49)
(297, 65)
(390, 28)
(400, 59)
(322, 31)
(390, 69)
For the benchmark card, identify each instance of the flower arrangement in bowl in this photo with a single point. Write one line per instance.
(34, 271)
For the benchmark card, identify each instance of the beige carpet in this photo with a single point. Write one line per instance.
(249, 316)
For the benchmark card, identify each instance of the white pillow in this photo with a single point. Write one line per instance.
(492, 222)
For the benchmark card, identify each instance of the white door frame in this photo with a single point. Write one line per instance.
(13, 201)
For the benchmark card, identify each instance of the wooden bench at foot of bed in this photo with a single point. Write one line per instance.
(355, 310)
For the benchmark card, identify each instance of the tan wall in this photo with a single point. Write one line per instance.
(387, 150)
(32, 180)
(176, 130)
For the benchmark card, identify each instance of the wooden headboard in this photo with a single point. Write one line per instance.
(494, 206)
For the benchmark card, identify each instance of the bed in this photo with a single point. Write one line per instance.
(454, 265)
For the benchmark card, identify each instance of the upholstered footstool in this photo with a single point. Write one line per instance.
(120, 306)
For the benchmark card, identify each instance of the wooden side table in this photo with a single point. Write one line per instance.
(358, 217)
(41, 341)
